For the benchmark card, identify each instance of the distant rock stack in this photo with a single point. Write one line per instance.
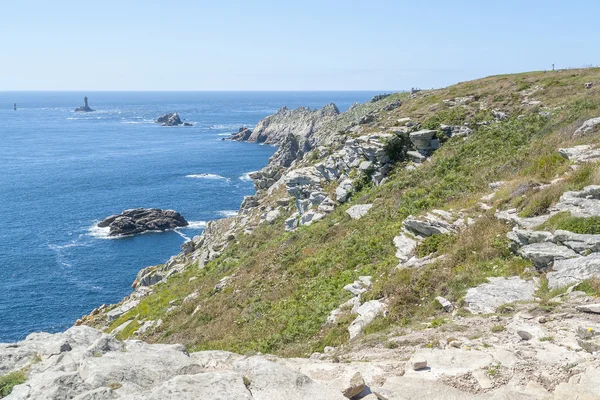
(171, 119)
(15, 106)
(85, 108)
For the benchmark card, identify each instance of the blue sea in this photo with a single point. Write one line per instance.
(61, 172)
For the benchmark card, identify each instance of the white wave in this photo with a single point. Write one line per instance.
(58, 247)
(223, 134)
(246, 177)
(228, 213)
(177, 231)
(226, 126)
(100, 233)
(144, 122)
(205, 176)
(194, 225)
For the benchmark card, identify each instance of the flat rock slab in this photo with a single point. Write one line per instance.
(573, 271)
(403, 388)
(544, 254)
(358, 211)
(450, 362)
(589, 308)
(486, 298)
(580, 154)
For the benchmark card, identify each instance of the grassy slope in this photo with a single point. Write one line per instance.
(285, 284)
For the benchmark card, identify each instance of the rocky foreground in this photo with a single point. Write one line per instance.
(520, 357)
(140, 220)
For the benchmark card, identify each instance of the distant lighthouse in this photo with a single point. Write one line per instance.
(86, 107)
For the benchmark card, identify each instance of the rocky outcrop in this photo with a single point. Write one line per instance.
(588, 127)
(83, 363)
(301, 122)
(139, 220)
(84, 108)
(242, 135)
(580, 154)
(171, 119)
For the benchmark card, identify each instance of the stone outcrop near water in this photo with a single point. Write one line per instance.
(171, 119)
(140, 220)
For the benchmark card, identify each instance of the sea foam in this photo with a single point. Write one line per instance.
(205, 176)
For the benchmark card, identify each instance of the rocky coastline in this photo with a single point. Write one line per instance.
(490, 344)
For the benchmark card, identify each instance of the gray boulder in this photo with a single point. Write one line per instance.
(421, 139)
(580, 243)
(544, 255)
(588, 126)
(344, 190)
(366, 314)
(429, 225)
(486, 298)
(405, 247)
(572, 271)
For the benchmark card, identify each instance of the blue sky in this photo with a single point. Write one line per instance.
(286, 45)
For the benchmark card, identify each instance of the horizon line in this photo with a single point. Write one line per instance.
(202, 91)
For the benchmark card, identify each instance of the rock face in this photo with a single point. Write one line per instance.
(84, 363)
(85, 108)
(300, 122)
(139, 220)
(486, 298)
(171, 119)
(291, 130)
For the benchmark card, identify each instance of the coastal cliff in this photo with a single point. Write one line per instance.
(438, 244)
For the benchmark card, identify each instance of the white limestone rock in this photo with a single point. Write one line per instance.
(486, 298)
(366, 314)
(358, 211)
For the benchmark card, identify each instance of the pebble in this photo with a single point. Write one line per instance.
(524, 335)
(418, 364)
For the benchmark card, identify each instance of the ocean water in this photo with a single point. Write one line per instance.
(61, 172)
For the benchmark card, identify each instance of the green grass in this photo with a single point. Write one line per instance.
(434, 244)
(9, 381)
(565, 221)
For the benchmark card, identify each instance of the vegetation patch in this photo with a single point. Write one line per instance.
(565, 221)
(10, 380)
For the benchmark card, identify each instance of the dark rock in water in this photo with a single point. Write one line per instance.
(139, 220)
(187, 124)
(170, 119)
(241, 135)
(85, 108)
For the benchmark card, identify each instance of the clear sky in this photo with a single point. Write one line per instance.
(286, 45)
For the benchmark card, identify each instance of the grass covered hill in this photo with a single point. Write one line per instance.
(281, 286)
